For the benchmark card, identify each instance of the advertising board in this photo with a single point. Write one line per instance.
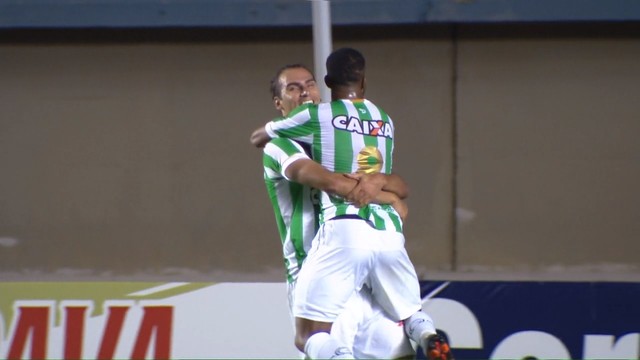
(136, 320)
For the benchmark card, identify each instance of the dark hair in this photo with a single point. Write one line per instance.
(344, 66)
(275, 81)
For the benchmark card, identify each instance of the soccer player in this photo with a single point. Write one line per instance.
(363, 324)
(355, 245)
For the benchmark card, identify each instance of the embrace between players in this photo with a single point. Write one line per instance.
(340, 211)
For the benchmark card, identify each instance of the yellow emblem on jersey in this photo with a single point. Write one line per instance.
(369, 160)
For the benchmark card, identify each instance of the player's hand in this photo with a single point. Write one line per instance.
(368, 187)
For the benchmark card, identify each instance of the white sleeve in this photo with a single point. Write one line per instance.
(290, 160)
(269, 129)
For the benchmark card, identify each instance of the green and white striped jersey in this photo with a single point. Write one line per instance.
(346, 136)
(296, 212)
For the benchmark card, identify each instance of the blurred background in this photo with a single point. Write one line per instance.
(124, 134)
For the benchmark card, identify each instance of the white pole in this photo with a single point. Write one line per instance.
(321, 42)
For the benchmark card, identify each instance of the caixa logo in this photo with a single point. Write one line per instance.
(465, 334)
(73, 330)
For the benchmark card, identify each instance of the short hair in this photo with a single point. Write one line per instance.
(345, 66)
(275, 85)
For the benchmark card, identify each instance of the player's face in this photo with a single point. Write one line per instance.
(297, 86)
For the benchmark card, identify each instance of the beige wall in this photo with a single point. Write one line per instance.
(548, 157)
(132, 159)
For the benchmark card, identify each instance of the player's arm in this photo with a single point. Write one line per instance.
(369, 185)
(259, 137)
(387, 197)
(296, 126)
(310, 173)
(396, 184)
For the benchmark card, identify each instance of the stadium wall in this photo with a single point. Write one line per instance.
(124, 153)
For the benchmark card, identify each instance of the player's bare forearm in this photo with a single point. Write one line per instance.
(259, 138)
(369, 185)
(396, 185)
(310, 173)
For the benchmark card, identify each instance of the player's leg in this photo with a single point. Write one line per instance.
(347, 323)
(396, 287)
(419, 327)
(319, 346)
(325, 283)
(379, 337)
(290, 296)
(317, 342)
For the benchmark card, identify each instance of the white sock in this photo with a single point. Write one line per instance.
(322, 346)
(418, 327)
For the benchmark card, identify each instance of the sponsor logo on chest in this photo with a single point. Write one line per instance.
(363, 127)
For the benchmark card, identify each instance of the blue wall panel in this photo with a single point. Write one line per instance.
(546, 320)
(264, 13)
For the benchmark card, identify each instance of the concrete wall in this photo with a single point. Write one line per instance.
(126, 154)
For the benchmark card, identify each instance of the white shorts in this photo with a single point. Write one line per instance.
(367, 330)
(346, 254)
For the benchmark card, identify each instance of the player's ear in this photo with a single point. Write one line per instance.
(277, 102)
